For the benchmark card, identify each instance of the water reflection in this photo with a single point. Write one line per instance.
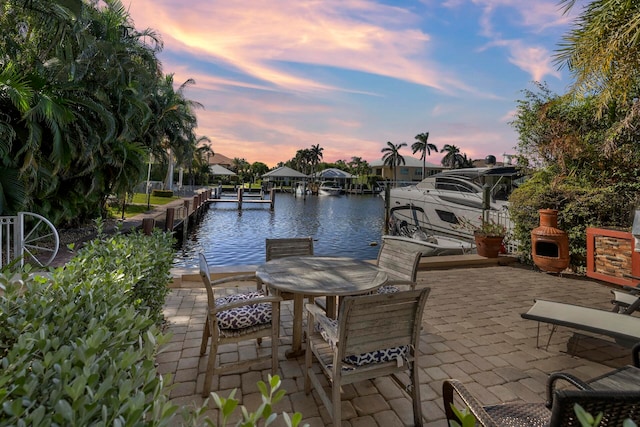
(340, 226)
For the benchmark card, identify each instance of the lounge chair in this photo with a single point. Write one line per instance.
(622, 327)
(626, 300)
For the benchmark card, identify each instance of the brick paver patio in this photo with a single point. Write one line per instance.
(472, 331)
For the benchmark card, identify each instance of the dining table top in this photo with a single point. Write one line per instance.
(322, 275)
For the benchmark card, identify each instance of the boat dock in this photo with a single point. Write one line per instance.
(216, 196)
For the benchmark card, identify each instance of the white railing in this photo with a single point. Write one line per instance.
(502, 217)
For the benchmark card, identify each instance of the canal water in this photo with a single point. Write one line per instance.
(347, 225)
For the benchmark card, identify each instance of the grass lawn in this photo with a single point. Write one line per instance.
(138, 205)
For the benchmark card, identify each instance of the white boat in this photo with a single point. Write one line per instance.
(413, 238)
(329, 188)
(447, 196)
(301, 188)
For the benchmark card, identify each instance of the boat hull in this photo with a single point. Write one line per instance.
(329, 189)
(435, 246)
(323, 192)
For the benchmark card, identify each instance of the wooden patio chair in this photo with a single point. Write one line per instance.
(234, 318)
(616, 401)
(374, 336)
(400, 265)
(287, 247)
(295, 246)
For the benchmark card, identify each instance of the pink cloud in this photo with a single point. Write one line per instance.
(256, 38)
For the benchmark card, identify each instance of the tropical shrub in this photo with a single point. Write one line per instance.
(264, 412)
(139, 263)
(579, 204)
(589, 176)
(78, 348)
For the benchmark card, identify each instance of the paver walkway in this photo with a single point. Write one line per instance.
(472, 331)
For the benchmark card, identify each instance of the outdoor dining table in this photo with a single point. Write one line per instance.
(318, 276)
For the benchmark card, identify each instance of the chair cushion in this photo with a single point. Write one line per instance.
(377, 356)
(328, 329)
(388, 289)
(245, 316)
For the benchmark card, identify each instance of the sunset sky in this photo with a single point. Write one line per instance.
(276, 76)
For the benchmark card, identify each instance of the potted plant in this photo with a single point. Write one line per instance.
(488, 235)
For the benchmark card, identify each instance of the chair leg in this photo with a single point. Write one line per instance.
(308, 356)
(275, 336)
(211, 364)
(205, 337)
(415, 395)
(336, 402)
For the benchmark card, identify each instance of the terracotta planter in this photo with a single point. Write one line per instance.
(488, 246)
(549, 244)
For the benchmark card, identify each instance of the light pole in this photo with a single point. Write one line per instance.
(148, 183)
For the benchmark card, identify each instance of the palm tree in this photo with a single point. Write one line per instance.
(302, 160)
(392, 157)
(602, 51)
(315, 155)
(424, 148)
(453, 157)
(174, 127)
(239, 166)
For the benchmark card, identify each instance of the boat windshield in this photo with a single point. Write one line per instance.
(501, 180)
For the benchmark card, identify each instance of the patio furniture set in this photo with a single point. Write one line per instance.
(363, 324)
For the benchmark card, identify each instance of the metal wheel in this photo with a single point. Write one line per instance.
(39, 237)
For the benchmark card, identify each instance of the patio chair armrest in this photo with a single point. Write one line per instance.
(242, 303)
(556, 376)
(451, 385)
(635, 355)
(318, 320)
(314, 310)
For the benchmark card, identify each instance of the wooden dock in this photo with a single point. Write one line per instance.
(242, 197)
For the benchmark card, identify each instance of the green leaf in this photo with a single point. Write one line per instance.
(63, 408)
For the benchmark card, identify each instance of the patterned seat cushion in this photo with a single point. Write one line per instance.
(388, 289)
(245, 316)
(328, 329)
(377, 356)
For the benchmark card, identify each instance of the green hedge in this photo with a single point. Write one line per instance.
(79, 348)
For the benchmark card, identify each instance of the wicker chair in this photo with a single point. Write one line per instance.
(559, 410)
(235, 318)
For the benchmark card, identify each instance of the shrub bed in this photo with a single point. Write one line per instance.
(79, 348)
